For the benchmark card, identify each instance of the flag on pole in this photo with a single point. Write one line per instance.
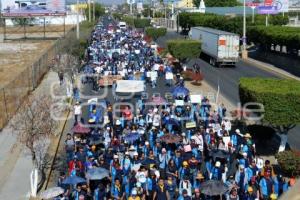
(218, 92)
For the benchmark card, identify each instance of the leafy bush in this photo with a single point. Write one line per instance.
(223, 3)
(117, 16)
(289, 162)
(280, 97)
(99, 11)
(226, 23)
(79, 47)
(129, 20)
(156, 32)
(22, 21)
(141, 23)
(184, 49)
(275, 35)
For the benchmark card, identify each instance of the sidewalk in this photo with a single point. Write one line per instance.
(271, 68)
(211, 93)
(15, 160)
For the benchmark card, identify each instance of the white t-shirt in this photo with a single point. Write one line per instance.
(156, 120)
(156, 67)
(169, 75)
(199, 141)
(153, 75)
(141, 177)
(77, 109)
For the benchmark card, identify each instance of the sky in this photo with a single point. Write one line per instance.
(5, 3)
(100, 1)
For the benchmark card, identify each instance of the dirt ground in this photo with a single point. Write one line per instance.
(17, 55)
(51, 31)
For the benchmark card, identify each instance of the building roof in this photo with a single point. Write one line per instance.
(215, 31)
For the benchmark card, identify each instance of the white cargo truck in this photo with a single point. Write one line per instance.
(221, 47)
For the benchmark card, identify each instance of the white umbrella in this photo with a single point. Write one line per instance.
(52, 192)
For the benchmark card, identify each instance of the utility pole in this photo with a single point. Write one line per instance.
(253, 8)
(77, 20)
(130, 6)
(244, 51)
(94, 15)
(90, 17)
(267, 20)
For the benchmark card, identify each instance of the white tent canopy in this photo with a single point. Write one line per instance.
(130, 86)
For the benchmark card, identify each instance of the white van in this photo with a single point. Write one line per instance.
(122, 25)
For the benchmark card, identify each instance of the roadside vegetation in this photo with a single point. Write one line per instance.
(281, 101)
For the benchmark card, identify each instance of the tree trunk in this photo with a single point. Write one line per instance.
(42, 181)
(33, 182)
(283, 141)
(283, 131)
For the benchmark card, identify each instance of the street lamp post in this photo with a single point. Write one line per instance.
(244, 51)
(77, 20)
(130, 7)
(253, 8)
(94, 16)
(90, 17)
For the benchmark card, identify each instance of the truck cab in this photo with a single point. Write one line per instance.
(122, 25)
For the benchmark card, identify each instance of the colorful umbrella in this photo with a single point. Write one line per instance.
(180, 91)
(158, 101)
(171, 121)
(131, 137)
(170, 139)
(78, 128)
(73, 180)
(97, 173)
(51, 193)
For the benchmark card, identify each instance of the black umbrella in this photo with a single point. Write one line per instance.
(219, 154)
(148, 161)
(213, 188)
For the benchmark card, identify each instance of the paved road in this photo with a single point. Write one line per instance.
(228, 79)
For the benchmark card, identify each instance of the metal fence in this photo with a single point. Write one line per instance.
(167, 23)
(13, 94)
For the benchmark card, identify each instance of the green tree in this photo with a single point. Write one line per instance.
(223, 3)
(129, 20)
(184, 49)
(141, 23)
(155, 33)
(281, 101)
(22, 21)
(99, 11)
(196, 3)
(289, 162)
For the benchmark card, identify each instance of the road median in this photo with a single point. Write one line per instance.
(271, 68)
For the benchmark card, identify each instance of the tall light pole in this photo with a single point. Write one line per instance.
(77, 20)
(130, 6)
(253, 8)
(244, 51)
(90, 17)
(94, 16)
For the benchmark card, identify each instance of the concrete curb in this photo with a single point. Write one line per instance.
(272, 68)
(56, 146)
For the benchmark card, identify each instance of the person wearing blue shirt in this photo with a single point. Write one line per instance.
(99, 193)
(78, 192)
(266, 186)
(184, 196)
(117, 190)
(216, 172)
(171, 186)
(241, 179)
